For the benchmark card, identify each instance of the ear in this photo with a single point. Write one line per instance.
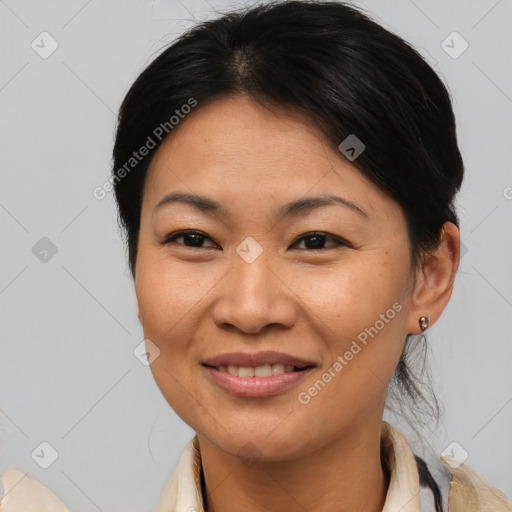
(435, 278)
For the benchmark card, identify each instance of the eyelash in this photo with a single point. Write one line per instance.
(338, 241)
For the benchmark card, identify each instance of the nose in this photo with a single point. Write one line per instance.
(252, 298)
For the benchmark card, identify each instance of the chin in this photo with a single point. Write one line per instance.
(258, 444)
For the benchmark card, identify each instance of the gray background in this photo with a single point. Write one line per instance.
(69, 324)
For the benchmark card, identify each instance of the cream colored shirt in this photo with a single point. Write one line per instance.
(468, 491)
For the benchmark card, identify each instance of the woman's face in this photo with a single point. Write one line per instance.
(296, 253)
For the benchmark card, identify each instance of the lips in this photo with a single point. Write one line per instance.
(256, 387)
(258, 374)
(253, 360)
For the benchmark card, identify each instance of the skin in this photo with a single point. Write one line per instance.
(198, 302)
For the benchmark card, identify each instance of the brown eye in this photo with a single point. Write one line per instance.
(318, 241)
(195, 239)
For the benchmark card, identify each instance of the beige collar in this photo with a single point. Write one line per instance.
(183, 492)
(468, 490)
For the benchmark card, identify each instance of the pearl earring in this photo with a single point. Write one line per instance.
(423, 321)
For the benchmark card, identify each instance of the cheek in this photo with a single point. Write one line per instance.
(361, 320)
(172, 297)
(352, 298)
(168, 298)
(168, 291)
(360, 316)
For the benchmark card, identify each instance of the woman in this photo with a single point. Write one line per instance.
(286, 178)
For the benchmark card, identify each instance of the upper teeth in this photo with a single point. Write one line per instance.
(266, 370)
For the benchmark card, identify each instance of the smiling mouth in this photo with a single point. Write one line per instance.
(266, 370)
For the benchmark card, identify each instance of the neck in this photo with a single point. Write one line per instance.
(342, 476)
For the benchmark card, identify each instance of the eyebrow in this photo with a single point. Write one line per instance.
(292, 209)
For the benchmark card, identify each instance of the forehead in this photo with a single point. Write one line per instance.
(237, 150)
(238, 130)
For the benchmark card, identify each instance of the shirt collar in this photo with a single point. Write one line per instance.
(183, 491)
